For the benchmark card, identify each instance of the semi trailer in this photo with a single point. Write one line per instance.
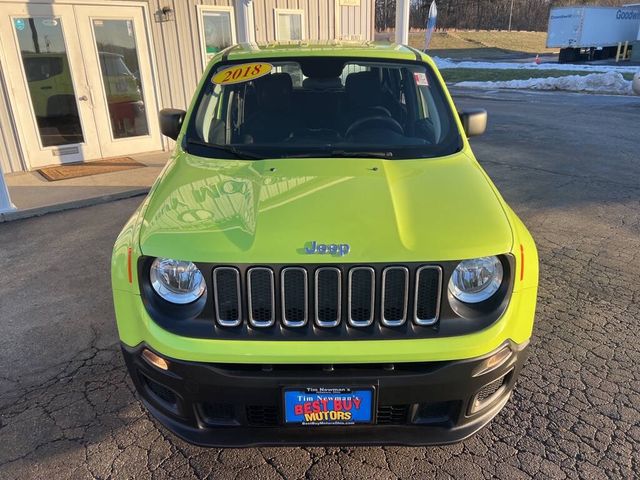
(591, 33)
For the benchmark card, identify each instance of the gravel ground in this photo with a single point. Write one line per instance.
(568, 164)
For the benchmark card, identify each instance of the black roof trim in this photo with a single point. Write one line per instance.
(416, 52)
(225, 53)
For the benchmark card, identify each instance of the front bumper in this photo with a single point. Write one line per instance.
(233, 405)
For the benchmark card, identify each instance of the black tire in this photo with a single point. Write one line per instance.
(568, 55)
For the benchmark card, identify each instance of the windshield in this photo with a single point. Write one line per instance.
(322, 107)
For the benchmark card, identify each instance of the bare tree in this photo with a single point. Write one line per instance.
(530, 15)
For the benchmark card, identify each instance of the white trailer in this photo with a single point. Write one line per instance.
(591, 32)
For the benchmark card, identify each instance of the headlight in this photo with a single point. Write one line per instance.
(177, 281)
(476, 280)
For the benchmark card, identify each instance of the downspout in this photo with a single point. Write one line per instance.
(402, 22)
(245, 21)
(337, 21)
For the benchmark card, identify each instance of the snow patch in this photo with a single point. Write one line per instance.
(635, 84)
(610, 82)
(449, 63)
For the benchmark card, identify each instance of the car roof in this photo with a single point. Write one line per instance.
(327, 48)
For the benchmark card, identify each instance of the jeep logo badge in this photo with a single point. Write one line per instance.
(315, 248)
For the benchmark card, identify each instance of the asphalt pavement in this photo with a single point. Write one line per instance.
(568, 164)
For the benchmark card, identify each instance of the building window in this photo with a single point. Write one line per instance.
(217, 29)
(289, 24)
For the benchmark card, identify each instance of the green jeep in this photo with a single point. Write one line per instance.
(323, 261)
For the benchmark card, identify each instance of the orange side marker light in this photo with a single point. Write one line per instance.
(129, 271)
(521, 262)
(155, 360)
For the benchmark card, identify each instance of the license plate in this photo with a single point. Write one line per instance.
(328, 406)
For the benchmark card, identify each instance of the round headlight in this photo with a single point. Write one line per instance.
(476, 280)
(177, 281)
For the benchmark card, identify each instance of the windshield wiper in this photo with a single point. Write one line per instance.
(341, 154)
(242, 154)
(348, 154)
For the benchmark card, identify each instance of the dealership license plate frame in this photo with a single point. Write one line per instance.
(328, 390)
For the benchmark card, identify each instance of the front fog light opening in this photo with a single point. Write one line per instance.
(488, 394)
(476, 280)
(160, 393)
(177, 281)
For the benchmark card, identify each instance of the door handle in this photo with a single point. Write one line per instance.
(83, 98)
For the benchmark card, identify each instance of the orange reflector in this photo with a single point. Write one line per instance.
(521, 262)
(155, 360)
(129, 271)
(493, 362)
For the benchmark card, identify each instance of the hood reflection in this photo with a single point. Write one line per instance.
(230, 200)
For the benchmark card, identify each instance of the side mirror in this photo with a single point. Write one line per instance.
(474, 121)
(171, 121)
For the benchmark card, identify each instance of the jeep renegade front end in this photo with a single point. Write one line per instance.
(323, 261)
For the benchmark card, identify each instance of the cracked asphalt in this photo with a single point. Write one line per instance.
(569, 165)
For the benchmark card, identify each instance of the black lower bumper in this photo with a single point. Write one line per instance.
(233, 405)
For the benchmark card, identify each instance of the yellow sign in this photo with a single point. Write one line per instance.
(350, 3)
(241, 73)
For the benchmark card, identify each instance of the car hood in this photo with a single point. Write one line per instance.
(268, 211)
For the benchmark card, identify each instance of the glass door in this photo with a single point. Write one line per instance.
(118, 66)
(51, 99)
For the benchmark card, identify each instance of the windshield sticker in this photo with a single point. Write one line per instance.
(421, 79)
(241, 73)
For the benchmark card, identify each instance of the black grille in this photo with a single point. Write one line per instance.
(160, 391)
(392, 414)
(489, 390)
(227, 296)
(262, 415)
(361, 296)
(428, 284)
(436, 412)
(218, 413)
(361, 299)
(394, 299)
(490, 393)
(261, 297)
(328, 297)
(294, 296)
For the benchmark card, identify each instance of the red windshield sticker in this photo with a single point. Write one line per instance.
(421, 79)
